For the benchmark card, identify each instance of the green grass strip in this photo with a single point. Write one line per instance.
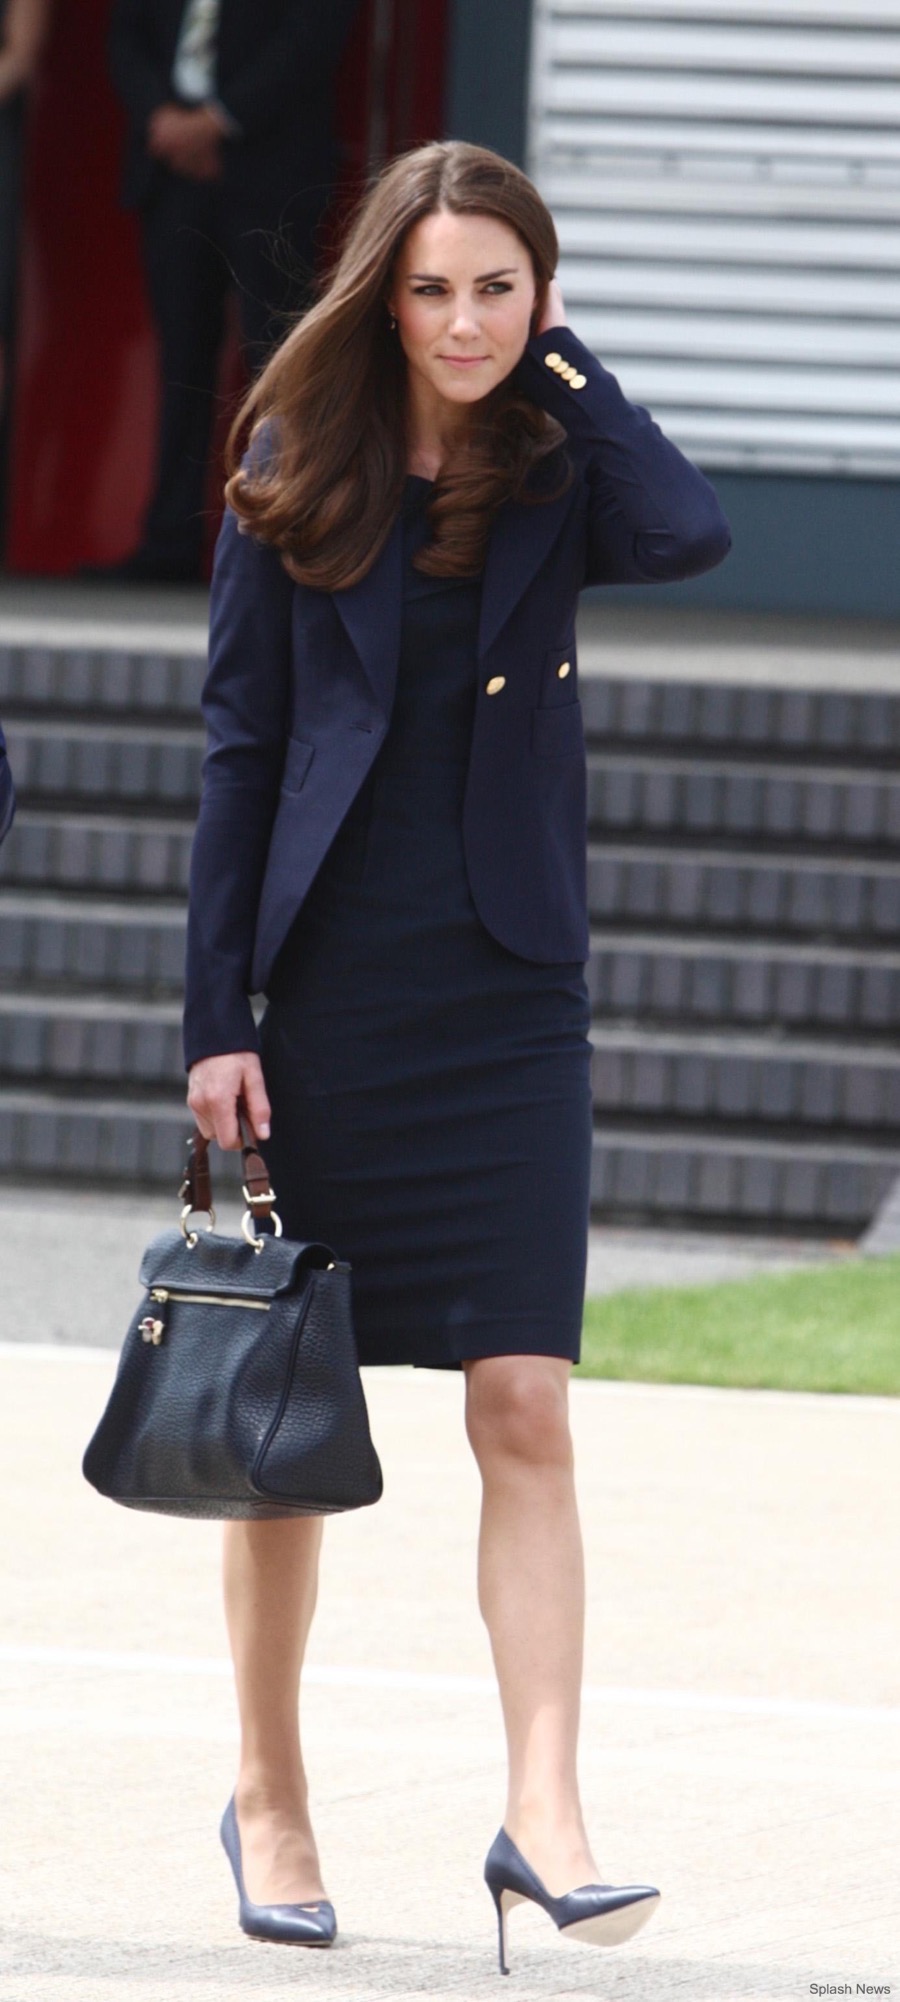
(832, 1328)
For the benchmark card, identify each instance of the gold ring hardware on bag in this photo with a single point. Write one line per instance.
(263, 1200)
(191, 1236)
(248, 1227)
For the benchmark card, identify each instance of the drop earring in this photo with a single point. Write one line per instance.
(392, 321)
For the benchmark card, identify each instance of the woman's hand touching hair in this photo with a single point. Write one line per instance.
(554, 313)
(216, 1084)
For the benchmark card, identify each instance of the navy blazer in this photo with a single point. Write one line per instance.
(7, 792)
(301, 683)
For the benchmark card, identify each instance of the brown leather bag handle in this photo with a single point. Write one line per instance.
(256, 1187)
(196, 1188)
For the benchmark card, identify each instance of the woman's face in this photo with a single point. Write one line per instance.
(463, 294)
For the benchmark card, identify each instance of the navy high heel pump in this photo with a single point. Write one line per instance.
(600, 1914)
(286, 1925)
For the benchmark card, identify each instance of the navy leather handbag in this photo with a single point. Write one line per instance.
(238, 1390)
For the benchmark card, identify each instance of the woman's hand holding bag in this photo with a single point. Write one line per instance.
(217, 1089)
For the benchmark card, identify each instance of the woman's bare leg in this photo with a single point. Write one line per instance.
(531, 1594)
(271, 1577)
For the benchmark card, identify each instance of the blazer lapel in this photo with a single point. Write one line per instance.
(521, 538)
(371, 612)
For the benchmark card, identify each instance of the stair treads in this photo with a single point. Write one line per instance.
(735, 803)
(736, 982)
(770, 894)
(754, 1081)
(711, 1179)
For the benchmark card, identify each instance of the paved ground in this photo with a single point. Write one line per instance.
(742, 1716)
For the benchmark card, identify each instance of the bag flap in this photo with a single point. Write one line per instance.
(229, 1265)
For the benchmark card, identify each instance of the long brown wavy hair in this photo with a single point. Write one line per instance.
(327, 415)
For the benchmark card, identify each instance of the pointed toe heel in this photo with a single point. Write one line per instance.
(596, 1914)
(283, 1925)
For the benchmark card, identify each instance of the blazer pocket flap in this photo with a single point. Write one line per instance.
(297, 762)
(557, 732)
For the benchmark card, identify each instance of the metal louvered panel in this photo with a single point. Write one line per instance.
(725, 177)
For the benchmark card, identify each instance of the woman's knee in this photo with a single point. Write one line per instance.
(517, 1408)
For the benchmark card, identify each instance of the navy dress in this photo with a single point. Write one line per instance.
(430, 1090)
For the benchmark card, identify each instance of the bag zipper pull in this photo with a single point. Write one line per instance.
(151, 1330)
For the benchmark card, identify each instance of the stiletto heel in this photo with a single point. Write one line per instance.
(501, 1929)
(598, 1914)
(504, 1901)
(286, 1925)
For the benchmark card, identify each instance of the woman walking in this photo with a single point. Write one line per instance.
(391, 846)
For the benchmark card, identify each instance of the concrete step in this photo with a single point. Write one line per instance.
(91, 1039)
(129, 944)
(112, 763)
(832, 1188)
(119, 672)
(103, 1141)
(98, 1139)
(91, 942)
(675, 887)
(743, 1081)
(851, 724)
(92, 851)
(720, 980)
(645, 1076)
(839, 807)
(123, 765)
(70, 677)
(767, 895)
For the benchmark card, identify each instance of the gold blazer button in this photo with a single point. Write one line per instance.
(577, 381)
(553, 360)
(497, 681)
(564, 669)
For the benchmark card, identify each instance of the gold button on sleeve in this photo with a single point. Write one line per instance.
(564, 668)
(568, 373)
(497, 681)
(577, 381)
(553, 360)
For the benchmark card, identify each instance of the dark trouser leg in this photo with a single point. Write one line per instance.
(187, 279)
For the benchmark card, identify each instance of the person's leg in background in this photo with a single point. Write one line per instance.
(10, 196)
(188, 279)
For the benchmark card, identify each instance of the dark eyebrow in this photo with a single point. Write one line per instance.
(432, 278)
